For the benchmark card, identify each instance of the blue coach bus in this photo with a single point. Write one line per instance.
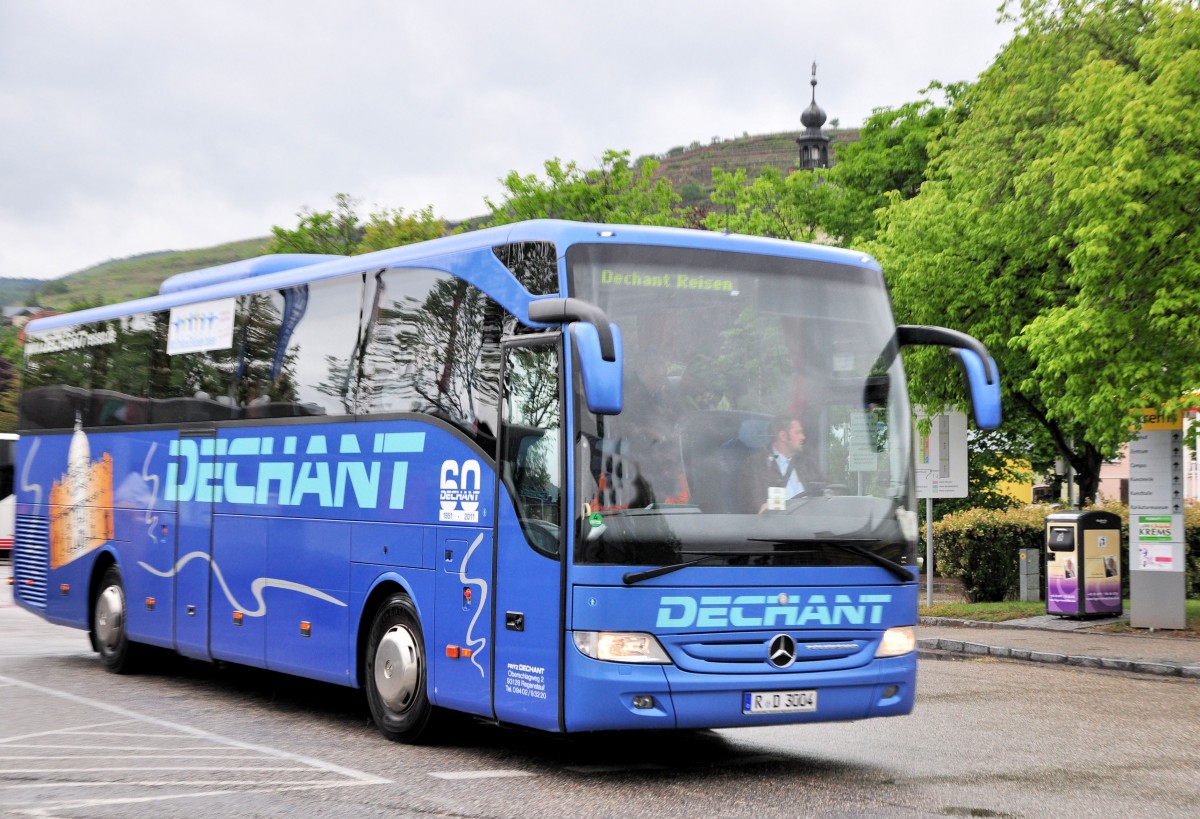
(507, 473)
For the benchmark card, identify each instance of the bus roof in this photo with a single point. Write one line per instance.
(243, 269)
(289, 270)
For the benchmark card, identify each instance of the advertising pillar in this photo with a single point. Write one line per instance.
(1157, 587)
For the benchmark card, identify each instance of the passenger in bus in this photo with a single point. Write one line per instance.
(778, 472)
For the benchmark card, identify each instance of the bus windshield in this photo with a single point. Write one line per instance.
(765, 420)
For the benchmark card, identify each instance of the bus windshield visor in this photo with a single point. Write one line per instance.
(765, 419)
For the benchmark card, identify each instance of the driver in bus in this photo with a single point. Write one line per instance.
(775, 474)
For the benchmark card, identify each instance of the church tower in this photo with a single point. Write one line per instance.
(814, 145)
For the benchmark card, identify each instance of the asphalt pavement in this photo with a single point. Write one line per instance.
(1063, 641)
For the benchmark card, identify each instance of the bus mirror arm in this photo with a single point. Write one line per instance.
(977, 364)
(561, 311)
(916, 334)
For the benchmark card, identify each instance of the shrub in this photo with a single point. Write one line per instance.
(982, 547)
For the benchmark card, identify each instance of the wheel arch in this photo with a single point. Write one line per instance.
(381, 590)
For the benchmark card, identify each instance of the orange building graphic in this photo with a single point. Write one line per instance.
(81, 502)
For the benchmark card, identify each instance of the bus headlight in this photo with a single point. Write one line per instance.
(620, 646)
(897, 641)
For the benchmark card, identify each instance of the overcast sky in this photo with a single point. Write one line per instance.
(128, 126)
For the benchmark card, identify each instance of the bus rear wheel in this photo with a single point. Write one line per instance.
(396, 672)
(109, 632)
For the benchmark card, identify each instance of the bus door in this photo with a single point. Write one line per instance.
(193, 461)
(529, 536)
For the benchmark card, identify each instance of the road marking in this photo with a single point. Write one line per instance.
(238, 784)
(49, 747)
(480, 774)
(113, 768)
(106, 755)
(309, 761)
(48, 809)
(255, 776)
(76, 732)
(56, 732)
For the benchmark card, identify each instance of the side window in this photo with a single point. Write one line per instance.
(531, 451)
(317, 345)
(95, 373)
(246, 379)
(292, 352)
(433, 346)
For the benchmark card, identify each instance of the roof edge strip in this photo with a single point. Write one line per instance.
(243, 269)
(561, 233)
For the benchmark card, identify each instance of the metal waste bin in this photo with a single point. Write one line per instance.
(1083, 564)
(1030, 573)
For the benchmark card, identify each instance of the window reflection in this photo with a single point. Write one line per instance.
(531, 460)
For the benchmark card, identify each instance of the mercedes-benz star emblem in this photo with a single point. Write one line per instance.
(782, 651)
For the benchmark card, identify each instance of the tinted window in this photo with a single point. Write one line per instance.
(433, 346)
(286, 358)
(534, 264)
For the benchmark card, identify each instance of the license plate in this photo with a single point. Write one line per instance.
(778, 702)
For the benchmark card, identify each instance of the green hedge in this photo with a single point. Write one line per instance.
(982, 548)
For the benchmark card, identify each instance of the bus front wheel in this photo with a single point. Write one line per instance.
(395, 672)
(109, 633)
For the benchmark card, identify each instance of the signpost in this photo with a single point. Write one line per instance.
(1157, 587)
(941, 460)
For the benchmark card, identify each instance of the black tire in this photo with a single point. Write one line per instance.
(109, 619)
(395, 673)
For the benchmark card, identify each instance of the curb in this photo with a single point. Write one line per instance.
(1001, 624)
(1158, 669)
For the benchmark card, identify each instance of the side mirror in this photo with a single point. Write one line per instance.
(985, 396)
(979, 368)
(598, 343)
(602, 379)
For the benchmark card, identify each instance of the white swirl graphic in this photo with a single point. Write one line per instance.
(26, 486)
(256, 586)
(152, 479)
(476, 644)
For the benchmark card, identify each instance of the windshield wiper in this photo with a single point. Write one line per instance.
(630, 578)
(854, 545)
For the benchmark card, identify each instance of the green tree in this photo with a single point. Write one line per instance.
(1058, 224)
(393, 228)
(343, 232)
(617, 192)
(338, 231)
(890, 155)
(10, 378)
(771, 204)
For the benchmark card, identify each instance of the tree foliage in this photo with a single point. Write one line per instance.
(889, 158)
(10, 378)
(393, 228)
(771, 204)
(342, 231)
(617, 192)
(1056, 223)
(338, 231)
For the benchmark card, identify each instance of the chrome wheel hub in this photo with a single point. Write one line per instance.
(397, 668)
(110, 617)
